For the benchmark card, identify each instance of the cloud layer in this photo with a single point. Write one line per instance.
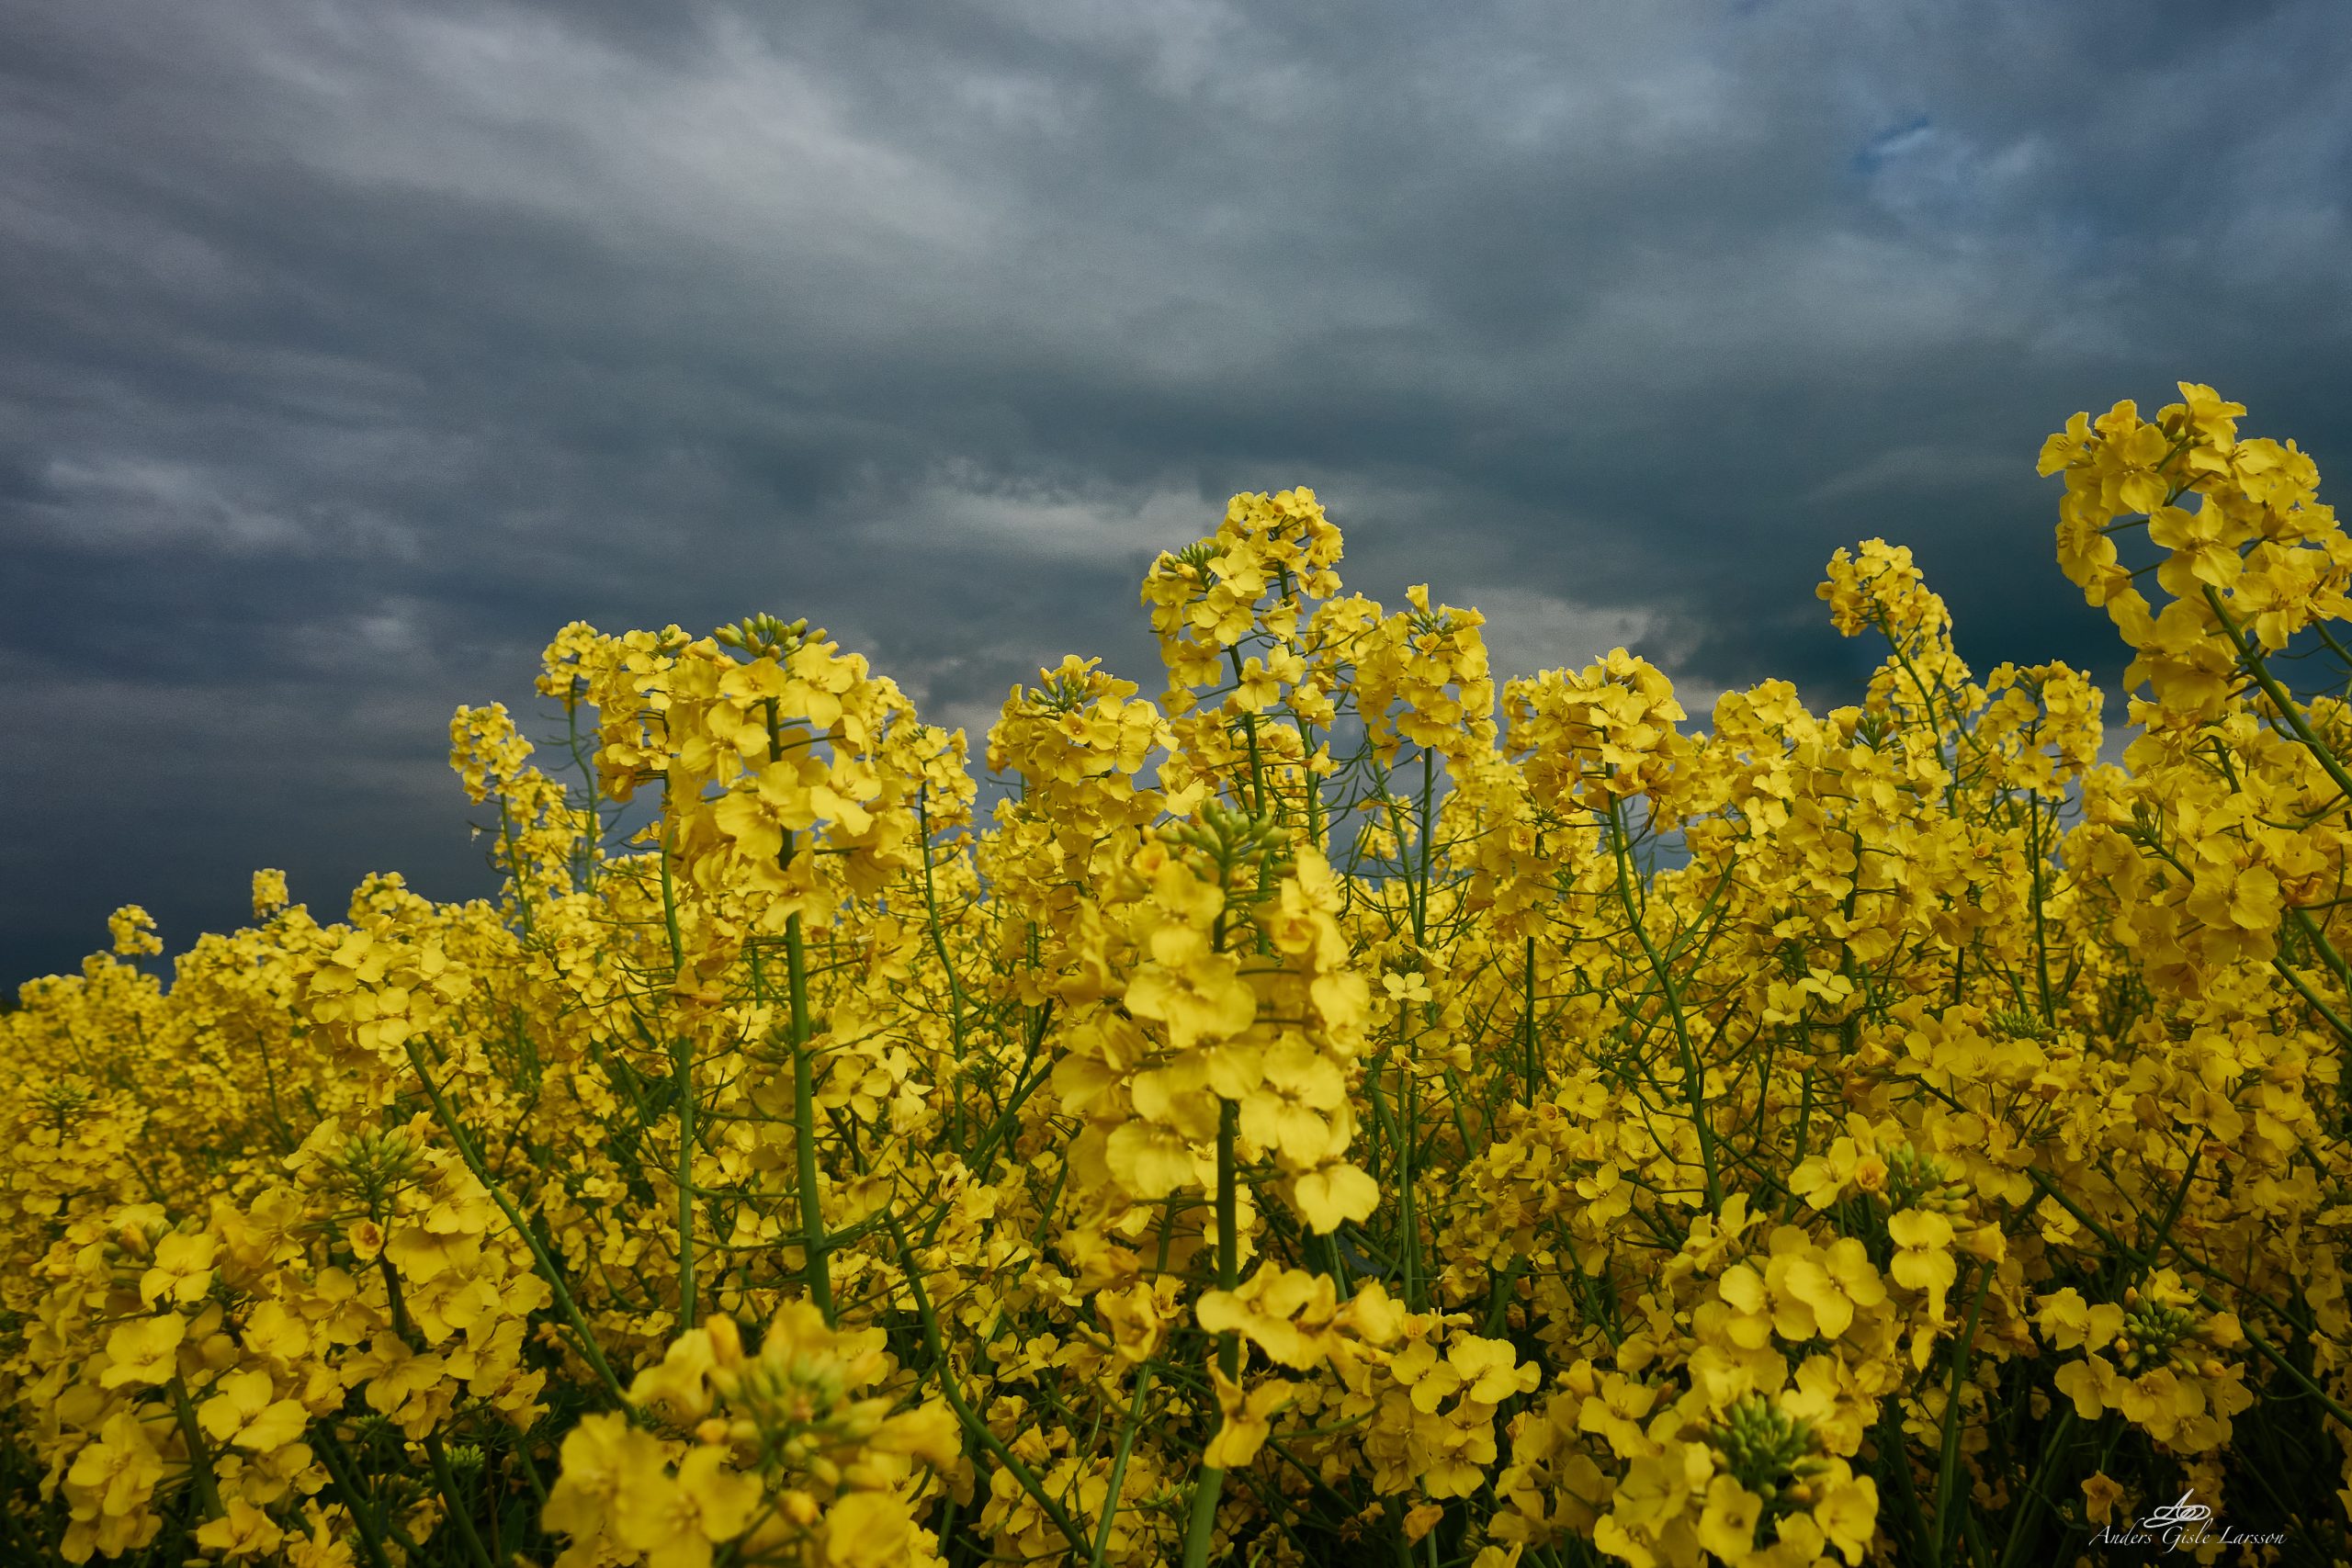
(352, 349)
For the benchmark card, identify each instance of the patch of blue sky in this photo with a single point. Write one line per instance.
(1894, 141)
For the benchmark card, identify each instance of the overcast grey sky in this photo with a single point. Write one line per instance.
(347, 350)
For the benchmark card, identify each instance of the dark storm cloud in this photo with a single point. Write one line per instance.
(350, 350)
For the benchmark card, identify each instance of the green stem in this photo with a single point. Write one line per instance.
(1314, 789)
(938, 940)
(1021, 1473)
(372, 1535)
(1428, 832)
(2040, 936)
(1527, 1002)
(2037, 1489)
(1009, 1118)
(684, 1051)
(2325, 949)
(2318, 1003)
(1409, 1117)
(515, 874)
(670, 897)
(199, 1458)
(817, 1271)
(1249, 730)
(1202, 1525)
(2250, 656)
(803, 1125)
(584, 850)
(589, 1348)
(1128, 1430)
(405, 1328)
(1228, 1224)
(1948, 1507)
(449, 1484)
(2277, 961)
(1694, 1082)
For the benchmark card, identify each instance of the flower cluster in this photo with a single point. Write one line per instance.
(1334, 1111)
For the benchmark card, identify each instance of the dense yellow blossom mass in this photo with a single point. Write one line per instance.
(1337, 1112)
